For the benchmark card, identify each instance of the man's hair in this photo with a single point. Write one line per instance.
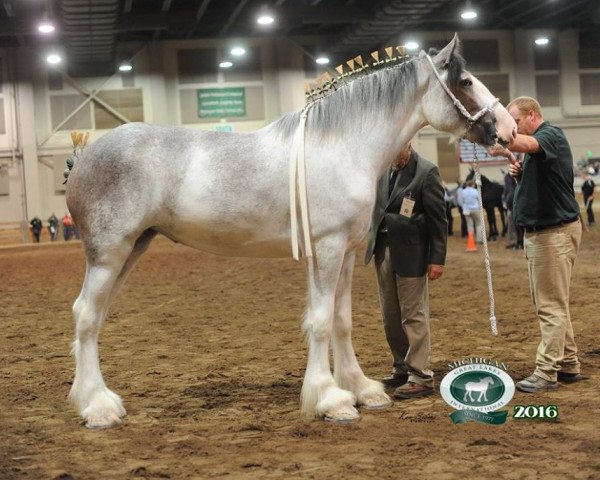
(525, 105)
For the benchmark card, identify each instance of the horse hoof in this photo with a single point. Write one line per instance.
(343, 416)
(379, 402)
(105, 410)
(100, 422)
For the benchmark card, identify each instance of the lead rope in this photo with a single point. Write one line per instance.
(298, 182)
(486, 253)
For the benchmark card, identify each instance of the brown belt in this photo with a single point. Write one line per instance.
(546, 227)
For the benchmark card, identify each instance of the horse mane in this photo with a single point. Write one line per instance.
(386, 88)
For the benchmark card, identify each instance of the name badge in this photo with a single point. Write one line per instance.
(407, 206)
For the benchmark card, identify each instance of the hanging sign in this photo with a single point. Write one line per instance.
(221, 102)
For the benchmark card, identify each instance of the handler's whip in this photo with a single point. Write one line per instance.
(298, 181)
(486, 252)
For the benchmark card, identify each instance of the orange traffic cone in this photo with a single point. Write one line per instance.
(471, 243)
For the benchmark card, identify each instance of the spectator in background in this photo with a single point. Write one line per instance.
(448, 198)
(67, 223)
(587, 188)
(36, 228)
(515, 232)
(469, 198)
(53, 227)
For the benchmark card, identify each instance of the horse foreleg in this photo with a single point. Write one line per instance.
(99, 406)
(347, 372)
(320, 395)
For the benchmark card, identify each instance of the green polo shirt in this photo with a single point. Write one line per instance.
(545, 194)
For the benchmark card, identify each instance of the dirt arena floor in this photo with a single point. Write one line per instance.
(208, 355)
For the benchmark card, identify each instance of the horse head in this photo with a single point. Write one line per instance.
(458, 103)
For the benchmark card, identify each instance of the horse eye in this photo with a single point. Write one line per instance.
(466, 82)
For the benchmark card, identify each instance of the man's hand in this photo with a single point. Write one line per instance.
(515, 170)
(435, 271)
(499, 151)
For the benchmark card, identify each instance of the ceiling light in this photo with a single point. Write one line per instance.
(542, 41)
(53, 59)
(125, 67)
(265, 19)
(238, 51)
(322, 60)
(226, 64)
(468, 13)
(411, 45)
(45, 27)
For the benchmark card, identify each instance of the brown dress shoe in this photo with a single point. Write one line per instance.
(394, 380)
(412, 390)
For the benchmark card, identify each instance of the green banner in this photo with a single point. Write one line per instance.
(493, 418)
(221, 102)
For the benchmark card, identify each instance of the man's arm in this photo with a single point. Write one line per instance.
(521, 143)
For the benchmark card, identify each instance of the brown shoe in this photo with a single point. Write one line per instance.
(394, 380)
(412, 390)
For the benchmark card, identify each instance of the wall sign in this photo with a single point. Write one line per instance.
(221, 102)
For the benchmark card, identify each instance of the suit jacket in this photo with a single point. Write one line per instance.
(420, 240)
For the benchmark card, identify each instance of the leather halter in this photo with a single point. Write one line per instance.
(471, 119)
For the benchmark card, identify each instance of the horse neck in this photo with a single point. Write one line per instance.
(372, 134)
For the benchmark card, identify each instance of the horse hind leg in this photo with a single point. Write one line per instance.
(503, 219)
(493, 228)
(347, 372)
(99, 406)
(320, 395)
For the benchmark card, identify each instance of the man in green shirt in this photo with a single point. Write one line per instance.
(545, 205)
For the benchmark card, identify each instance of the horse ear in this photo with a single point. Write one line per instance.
(444, 58)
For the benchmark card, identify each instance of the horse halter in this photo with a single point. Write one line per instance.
(471, 119)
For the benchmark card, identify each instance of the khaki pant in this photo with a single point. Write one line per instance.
(473, 219)
(550, 256)
(405, 308)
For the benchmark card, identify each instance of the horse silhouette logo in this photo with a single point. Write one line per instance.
(477, 390)
(480, 387)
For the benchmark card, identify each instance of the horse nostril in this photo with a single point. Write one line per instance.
(514, 133)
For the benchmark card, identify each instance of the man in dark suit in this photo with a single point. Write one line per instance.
(408, 239)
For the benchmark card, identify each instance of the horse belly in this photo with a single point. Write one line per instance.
(232, 243)
(230, 227)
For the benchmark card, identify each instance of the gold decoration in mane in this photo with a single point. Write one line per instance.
(355, 67)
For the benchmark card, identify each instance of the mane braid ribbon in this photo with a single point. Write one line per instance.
(298, 182)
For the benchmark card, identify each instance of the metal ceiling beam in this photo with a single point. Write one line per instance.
(233, 17)
(89, 26)
(524, 13)
(8, 8)
(553, 13)
(199, 14)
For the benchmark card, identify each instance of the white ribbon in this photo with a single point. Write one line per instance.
(298, 182)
